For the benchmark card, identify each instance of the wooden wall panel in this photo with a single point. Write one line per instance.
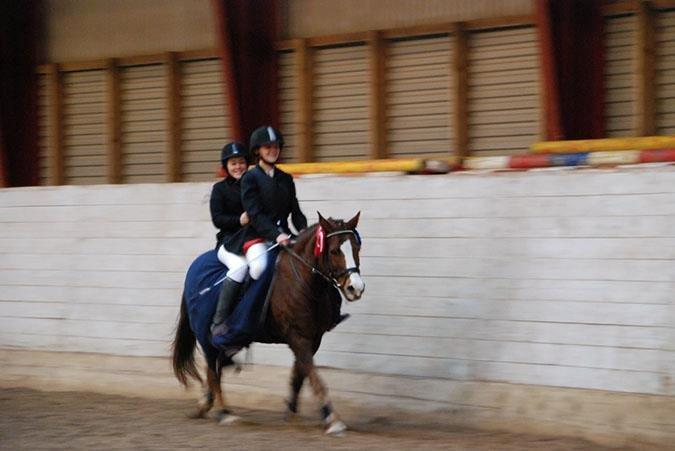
(665, 73)
(340, 104)
(206, 122)
(84, 125)
(504, 105)
(620, 78)
(419, 97)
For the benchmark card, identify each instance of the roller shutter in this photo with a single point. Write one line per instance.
(504, 104)
(288, 105)
(340, 103)
(144, 123)
(206, 120)
(44, 123)
(665, 73)
(84, 106)
(419, 97)
(620, 78)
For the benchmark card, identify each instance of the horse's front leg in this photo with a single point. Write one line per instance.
(297, 379)
(304, 358)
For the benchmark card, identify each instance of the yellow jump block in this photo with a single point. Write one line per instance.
(345, 167)
(609, 144)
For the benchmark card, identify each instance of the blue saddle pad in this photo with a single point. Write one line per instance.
(201, 296)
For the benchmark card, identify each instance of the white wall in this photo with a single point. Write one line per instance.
(544, 278)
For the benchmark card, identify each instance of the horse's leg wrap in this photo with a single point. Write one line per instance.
(327, 412)
(206, 401)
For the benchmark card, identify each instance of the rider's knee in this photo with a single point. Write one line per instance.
(257, 260)
(257, 267)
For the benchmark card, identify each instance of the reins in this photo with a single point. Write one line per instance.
(314, 270)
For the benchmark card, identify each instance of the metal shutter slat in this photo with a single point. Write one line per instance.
(665, 73)
(206, 122)
(340, 83)
(620, 82)
(84, 130)
(419, 84)
(503, 78)
(144, 138)
(288, 106)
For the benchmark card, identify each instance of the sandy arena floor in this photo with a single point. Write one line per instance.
(32, 419)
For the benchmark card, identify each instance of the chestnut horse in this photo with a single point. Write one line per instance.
(301, 299)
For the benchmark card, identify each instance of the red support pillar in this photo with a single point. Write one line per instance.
(247, 33)
(19, 30)
(573, 60)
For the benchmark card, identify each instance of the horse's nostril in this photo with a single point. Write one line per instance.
(350, 289)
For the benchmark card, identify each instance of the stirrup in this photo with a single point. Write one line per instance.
(219, 329)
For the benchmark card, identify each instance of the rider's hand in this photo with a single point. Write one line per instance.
(243, 219)
(283, 239)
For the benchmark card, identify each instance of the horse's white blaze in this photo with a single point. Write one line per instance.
(346, 249)
(355, 282)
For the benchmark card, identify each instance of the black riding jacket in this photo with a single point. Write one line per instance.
(269, 201)
(226, 208)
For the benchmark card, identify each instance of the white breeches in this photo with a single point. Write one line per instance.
(238, 265)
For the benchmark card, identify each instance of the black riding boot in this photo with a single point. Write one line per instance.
(229, 292)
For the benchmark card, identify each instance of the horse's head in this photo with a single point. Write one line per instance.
(338, 245)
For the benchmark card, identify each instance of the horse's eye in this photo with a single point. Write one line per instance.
(335, 251)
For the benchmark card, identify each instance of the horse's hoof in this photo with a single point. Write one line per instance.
(197, 414)
(290, 416)
(229, 419)
(336, 429)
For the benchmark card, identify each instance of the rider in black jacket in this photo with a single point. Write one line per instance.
(227, 212)
(228, 215)
(268, 197)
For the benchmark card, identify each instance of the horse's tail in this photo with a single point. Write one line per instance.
(184, 347)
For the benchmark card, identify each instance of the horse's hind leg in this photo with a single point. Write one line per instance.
(224, 414)
(206, 401)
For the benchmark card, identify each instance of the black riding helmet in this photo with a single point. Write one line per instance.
(265, 135)
(233, 149)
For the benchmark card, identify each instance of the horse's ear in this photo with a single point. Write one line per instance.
(352, 223)
(325, 225)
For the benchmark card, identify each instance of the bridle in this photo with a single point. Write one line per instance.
(331, 278)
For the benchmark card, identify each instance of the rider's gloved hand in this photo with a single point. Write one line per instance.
(283, 239)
